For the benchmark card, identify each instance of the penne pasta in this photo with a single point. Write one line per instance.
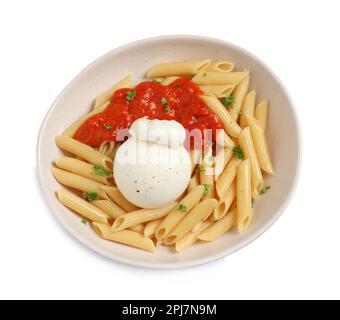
(107, 95)
(86, 170)
(239, 95)
(220, 227)
(218, 78)
(199, 213)
(128, 237)
(107, 148)
(222, 139)
(207, 174)
(194, 182)
(115, 195)
(230, 126)
(109, 207)
(227, 177)
(220, 91)
(72, 129)
(244, 208)
(177, 214)
(261, 114)
(151, 227)
(221, 161)
(83, 208)
(179, 68)
(78, 182)
(247, 145)
(195, 156)
(260, 145)
(224, 204)
(168, 80)
(221, 66)
(140, 216)
(84, 151)
(191, 237)
(114, 211)
(248, 108)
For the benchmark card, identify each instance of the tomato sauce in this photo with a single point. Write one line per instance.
(177, 101)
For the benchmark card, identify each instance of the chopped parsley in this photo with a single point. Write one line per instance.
(165, 103)
(264, 189)
(182, 208)
(252, 202)
(131, 95)
(206, 190)
(238, 152)
(84, 221)
(91, 196)
(204, 74)
(228, 101)
(200, 168)
(107, 127)
(100, 171)
(156, 80)
(178, 85)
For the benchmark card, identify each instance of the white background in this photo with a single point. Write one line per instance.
(44, 44)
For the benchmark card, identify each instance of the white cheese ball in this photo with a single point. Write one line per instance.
(149, 174)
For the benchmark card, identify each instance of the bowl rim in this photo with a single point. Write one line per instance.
(172, 265)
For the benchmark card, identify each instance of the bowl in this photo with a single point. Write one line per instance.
(76, 100)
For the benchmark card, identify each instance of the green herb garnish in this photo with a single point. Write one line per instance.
(177, 85)
(200, 168)
(182, 208)
(264, 189)
(91, 196)
(228, 101)
(204, 74)
(107, 127)
(156, 80)
(206, 190)
(84, 221)
(100, 171)
(131, 95)
(165, 103)
(252, 202)
(238, 152)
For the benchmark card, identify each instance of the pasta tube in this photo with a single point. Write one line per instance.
(221, 160)
(151, 227)
(221, 66)
(78, 182)
(84, 151)
(227, 177)
(260, 145)
(199, 213)
(168, 80)
(261, 114)
(220, 91)
(177, 214)
(86, 170)
(239, 95)
(220, 227)
(82, 207)
(115, 195)
(215, 78)
(217, 107)
(247, 145)
(140, 216)
(225, 203)
(248, 108)
(128, 237)
(191, 237)
(179, 68)
(244, 209)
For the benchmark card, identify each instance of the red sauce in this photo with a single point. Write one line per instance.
(177, 101)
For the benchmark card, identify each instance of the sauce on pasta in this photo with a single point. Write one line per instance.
(177, 101)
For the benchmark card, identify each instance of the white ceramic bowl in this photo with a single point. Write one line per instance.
(137, 58)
